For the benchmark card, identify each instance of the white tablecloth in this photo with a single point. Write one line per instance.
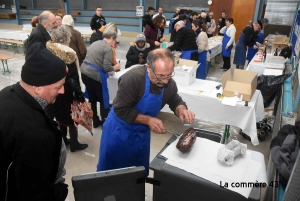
(211, 108)
(215, 46)
(263, 68)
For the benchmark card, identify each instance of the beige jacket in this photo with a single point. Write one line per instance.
(202, 42)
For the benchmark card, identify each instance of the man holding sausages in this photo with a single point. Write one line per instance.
(142, 92)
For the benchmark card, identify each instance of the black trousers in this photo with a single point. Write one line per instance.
(94, 89)
(226, 64)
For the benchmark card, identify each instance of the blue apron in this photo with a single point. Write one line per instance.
(186, 54)
(240, 51)
(226, 39)
(124, 145)
(104, 77)
(202, 69)
(251, 50)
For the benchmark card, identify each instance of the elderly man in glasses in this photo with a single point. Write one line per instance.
(142, 92)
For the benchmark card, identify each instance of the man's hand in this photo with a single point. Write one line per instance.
(255, 47)
(184, 114)
(156, 43)
(117, 67)
(162, 40)
(156, 125)
(226, 47)
(258, 44)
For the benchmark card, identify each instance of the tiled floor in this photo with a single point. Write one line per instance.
(85, 161)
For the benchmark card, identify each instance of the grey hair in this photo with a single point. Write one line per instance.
(163, 54)
(110, 31)
(44, 16)
(111, 25)
(211, 13)
(68, 20)
(180, 22)
(61, 35)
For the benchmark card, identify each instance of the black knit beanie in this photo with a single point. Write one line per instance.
(42, 67)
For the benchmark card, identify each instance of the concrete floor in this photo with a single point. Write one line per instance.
(85, 161)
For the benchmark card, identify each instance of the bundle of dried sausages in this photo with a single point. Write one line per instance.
(186, 141)
(82, 114)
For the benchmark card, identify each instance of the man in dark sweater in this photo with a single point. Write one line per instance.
(185, 40)
(142, 92)
(222, 22)
(98, 20)
(147, 18)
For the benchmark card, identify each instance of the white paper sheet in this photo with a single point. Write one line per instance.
(231, 101)
(203, 85)
(202, 161)
(275, 72)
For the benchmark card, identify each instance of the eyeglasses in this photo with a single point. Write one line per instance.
(163, 77)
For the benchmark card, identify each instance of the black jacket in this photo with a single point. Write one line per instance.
(250, 36)
(30, 145)
(39, 34)
(133, 53)
(147, 19)
(98, 35)
(97, 22)
(284, 150)
(185, 39)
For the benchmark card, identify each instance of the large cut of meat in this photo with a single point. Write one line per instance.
(82, 114)
(186, 141)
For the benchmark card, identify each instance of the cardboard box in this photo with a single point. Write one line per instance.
(238, 82)
(185, 71)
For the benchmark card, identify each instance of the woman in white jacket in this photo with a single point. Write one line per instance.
(228, 41)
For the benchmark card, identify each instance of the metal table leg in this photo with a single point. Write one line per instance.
(226, 134)
(3, 64)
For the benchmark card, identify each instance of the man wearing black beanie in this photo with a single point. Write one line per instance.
(32, 155)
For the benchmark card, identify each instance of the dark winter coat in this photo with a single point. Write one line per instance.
(97, 22)
(30, 145)
(62, 105)
(133, 53)
(185, 40)
(39, 34)
(147, 19)
(284, 150)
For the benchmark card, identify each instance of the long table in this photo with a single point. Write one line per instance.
(208, 107)
(264, 68)
(215, 45)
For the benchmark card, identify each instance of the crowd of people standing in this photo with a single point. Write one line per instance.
(58, 69)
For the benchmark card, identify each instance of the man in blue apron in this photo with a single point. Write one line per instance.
(228, 41)
(142, 92)
(185, 40)
(247, 38)
(251, 51)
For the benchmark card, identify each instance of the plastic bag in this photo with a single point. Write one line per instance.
(82, 114)
(270, 87)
